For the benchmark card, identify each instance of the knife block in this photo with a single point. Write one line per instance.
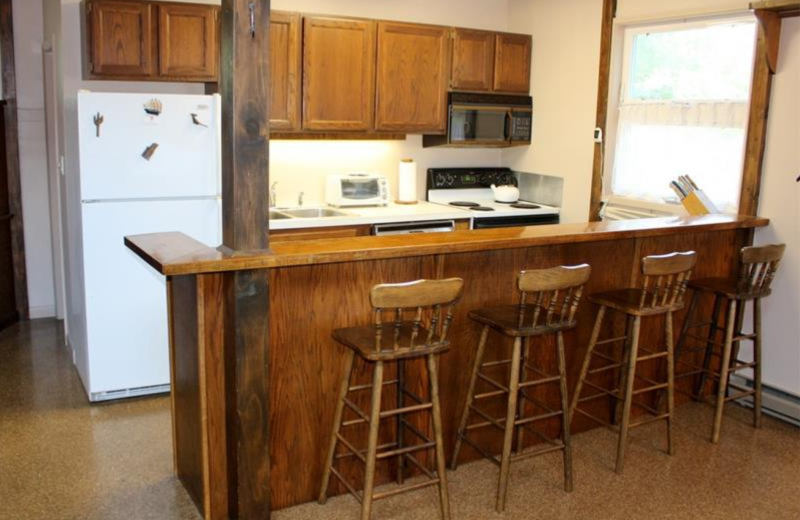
(698, 203)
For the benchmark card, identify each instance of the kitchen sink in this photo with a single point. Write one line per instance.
(277, 215)
(315, 213)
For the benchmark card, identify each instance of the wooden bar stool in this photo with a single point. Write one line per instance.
(662, 293)
(555, 295)
(404, 339)
(757, 267)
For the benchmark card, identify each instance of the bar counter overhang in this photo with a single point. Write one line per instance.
(317, 286)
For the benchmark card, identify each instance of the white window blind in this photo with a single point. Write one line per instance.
(683, 109)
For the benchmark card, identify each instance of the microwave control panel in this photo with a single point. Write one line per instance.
(522, 125)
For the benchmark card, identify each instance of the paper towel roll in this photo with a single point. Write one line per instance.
(407, 182)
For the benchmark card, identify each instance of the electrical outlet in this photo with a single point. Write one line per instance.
(598, 135)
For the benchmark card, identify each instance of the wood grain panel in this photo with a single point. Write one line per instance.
(285, 62)
(121, 38)
(338, 74)
(307, 304)
(412, 77)
(473, 60)
(188, 41)
(512, 66)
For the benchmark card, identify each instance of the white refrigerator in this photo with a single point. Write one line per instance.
(148, 163)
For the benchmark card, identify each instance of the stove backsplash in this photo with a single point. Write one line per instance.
(542, 189)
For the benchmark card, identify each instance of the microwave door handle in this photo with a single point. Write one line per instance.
(507, 134)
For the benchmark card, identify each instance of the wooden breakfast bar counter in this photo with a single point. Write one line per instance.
(317, 286)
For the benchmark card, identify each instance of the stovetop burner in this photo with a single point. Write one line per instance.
(481, 208)
(525, 205)
(463, 204)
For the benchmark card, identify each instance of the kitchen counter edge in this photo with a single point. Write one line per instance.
(178, 254)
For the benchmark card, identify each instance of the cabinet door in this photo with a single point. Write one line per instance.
(284, 41)
(120, 39)
(338, 74)
(412, 77)
(188, 41)
(512, 66)
(473, 60)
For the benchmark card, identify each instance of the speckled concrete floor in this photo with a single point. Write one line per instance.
(61, 458)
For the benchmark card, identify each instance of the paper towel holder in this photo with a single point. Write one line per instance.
(398, 201)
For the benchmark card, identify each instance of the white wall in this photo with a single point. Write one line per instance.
(33, 157)
(566, 58)
(780, 202)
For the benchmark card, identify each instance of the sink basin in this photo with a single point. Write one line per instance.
(277, 215)
(315, 213)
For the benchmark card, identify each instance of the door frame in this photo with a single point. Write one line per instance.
(9, 83)
(55, 169)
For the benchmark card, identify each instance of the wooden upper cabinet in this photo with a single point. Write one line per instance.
(512, 65)
(338, 74)
(473, 60)
(285, 61)
(188, 41)
(412, 77)
(121, 38)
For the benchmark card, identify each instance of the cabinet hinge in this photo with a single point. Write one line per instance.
(452, 34)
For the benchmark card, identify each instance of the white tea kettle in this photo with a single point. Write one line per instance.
(505, 193)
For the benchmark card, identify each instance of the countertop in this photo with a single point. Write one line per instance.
(177, 254)
(422, 211)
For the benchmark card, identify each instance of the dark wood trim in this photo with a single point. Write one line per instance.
(12, 156)
(769, 25)
(786, 8)
(603, 86)
(244, 81)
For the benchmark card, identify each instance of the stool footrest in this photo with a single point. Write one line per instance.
(487, 395)
(490, 364)
(347, 485)
(352, 448)
(536, 453)
(359, 388)
(598, 420)
(428, 473)
(494, 422)
(412, 395)
(612, 340)
(405, 489)
(480, 450)
(595, 352)
(600, 370)
(528, 420)
(403, 451)
(654, 355)
(741, 366)
(739, 395)
(542, 381)
(610, 393)
(406, 409)
(350, 453)
(493, 382)
(648, 420)
(358, 411)
(705, 340)
(416, 431)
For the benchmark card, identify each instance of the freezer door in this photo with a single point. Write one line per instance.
(126, 300)
(115, 130)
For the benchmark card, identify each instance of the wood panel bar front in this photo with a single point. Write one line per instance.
(310, 297)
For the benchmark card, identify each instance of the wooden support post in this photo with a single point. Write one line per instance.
(607, 31)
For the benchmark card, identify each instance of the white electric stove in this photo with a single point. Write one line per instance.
(469, 189)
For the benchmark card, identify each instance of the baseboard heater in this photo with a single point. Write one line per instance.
(777, 403)
(129, 392)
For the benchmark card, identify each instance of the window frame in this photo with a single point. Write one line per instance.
(620, 78)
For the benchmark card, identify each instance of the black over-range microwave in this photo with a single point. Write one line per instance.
(486, 120)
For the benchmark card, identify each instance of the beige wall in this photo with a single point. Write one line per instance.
(566, 54)
(780, 202)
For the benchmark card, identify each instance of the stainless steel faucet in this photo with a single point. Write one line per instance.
(300, 199)
(273, 195)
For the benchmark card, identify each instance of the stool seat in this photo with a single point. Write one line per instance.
(629, 301)
(506, 320)
(727, 287)
(362, 340)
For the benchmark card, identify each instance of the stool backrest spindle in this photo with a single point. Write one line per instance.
(554, 295)
(665, 279)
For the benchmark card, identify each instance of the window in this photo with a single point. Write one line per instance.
(683, 110)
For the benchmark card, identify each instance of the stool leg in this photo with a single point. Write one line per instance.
(737, 331)
(621, 378)
(476, 366)
(670, 382)
(678, 351)
(757, 359)
(724, 368)
(587, 359)
(565, 418)
(401, 386)
(441, 466)
(337, 426)
(630, 377)
(372, 442)
(521, 401)
(700, 389)
(513, 395)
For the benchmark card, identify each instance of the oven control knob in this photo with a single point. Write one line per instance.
(440, 180)
(450, 179)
